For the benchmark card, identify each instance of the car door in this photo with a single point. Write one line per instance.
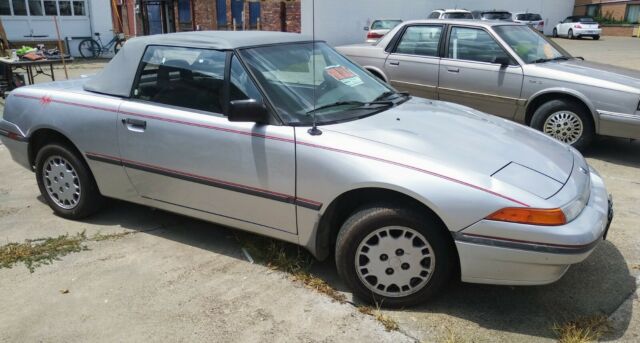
(472, 73)
(565, 26)
(412, 65)
(178, 148)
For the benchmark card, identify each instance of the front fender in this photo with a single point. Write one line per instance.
(570, 92)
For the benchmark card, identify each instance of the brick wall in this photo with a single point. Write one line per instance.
(617, 30)
(204, 14)
(270, 14)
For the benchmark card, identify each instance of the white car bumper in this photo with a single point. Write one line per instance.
(587, 32)
(507, 261)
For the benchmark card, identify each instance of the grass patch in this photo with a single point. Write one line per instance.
(287, 258)
(583, 329)
(37, 252)
(386, 321)
(42, 251)
(452, 337)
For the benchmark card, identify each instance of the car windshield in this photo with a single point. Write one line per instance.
(385, 24)
(303, 80)
(528, 17)
(496, 15)
(458, 15)
(530, 45)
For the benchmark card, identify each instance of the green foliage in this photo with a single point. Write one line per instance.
(37, 252)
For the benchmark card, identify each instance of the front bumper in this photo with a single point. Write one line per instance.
(533, 255)
(587, 32)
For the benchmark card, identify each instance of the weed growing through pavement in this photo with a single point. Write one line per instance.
(43, 251)
(583, 329)
(386, 321)
(287, 258)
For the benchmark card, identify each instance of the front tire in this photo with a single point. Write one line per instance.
(555, 33)
(66, 183)
(570, 35)
(596, 37)
(89, 48)
(566, 121)
(394, 256)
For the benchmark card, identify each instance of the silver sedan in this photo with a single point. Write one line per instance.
(510, 70)
(279, 135)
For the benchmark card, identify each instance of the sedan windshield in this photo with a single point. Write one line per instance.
(304, 80)
(530, 45)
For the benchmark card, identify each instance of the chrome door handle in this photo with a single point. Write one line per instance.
(453, 70)
(394, 63)
(135, 124)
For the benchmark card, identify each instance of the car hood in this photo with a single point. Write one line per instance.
(463, 138)
(593, 72)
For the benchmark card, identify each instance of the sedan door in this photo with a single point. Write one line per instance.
(479, 73)
(412, 65)
(564, 26)
(179, 149)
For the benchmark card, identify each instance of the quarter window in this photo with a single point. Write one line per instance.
(474, 45)
(420, 40)
(184, 77)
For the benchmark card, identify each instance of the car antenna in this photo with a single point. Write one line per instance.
(314, 131)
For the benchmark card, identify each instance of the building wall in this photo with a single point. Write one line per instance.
(270, 14)
(342, 21)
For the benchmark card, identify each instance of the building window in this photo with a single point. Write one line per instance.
(593, 10)
(5, 8)
(19, 7)
(633, 13)
(78, 8)
(65, 7)
(35, 7)
(50, 7)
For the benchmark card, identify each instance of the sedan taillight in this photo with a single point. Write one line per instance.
(373, 35)
(578, 26)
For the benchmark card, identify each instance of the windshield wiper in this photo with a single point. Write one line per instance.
(544, 60)
(387, 94)
(357, 104)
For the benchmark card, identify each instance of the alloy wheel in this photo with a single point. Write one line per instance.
(565, 126)
(61, 182)
(395, 261)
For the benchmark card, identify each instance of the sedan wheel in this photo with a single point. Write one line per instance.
(564, 126)
(571, 34)
(66, 183)
(555, 33)
(395, 261)
(61, 182)
(393, 255)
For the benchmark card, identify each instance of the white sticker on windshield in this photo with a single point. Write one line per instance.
(344, 75)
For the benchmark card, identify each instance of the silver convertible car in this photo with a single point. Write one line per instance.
(509, 70)
(282, 136)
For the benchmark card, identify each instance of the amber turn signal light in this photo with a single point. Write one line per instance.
(532, 216)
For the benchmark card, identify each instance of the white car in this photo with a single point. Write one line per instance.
(578, 27)
(532, 19)
(450, 14)
(379, 28)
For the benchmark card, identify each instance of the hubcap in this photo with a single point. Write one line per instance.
(564, 126)
(61, 181)
(395, 261)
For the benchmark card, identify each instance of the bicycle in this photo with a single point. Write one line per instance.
(94, 48)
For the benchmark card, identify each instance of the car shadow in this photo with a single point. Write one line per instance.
(615, 150)
(599, 285)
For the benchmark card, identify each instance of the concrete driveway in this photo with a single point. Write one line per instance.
(177, 279)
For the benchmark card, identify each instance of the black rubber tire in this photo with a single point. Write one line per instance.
(89, 48)
(555, 33)
(596, 38)
(372, 217)
(90, 198)
(570, 34)
(545, 110)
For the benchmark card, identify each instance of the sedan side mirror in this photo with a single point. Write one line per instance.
(503, 61)
(248, 110)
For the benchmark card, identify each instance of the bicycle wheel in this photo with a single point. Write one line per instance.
(89, 48)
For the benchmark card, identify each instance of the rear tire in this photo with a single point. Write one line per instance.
(555, 33)
(561, 119)
(89, 48)
(66, 183)
(596, 37)
(394, 256)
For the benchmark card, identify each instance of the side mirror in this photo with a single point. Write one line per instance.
(503, 61)
(248, 110)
